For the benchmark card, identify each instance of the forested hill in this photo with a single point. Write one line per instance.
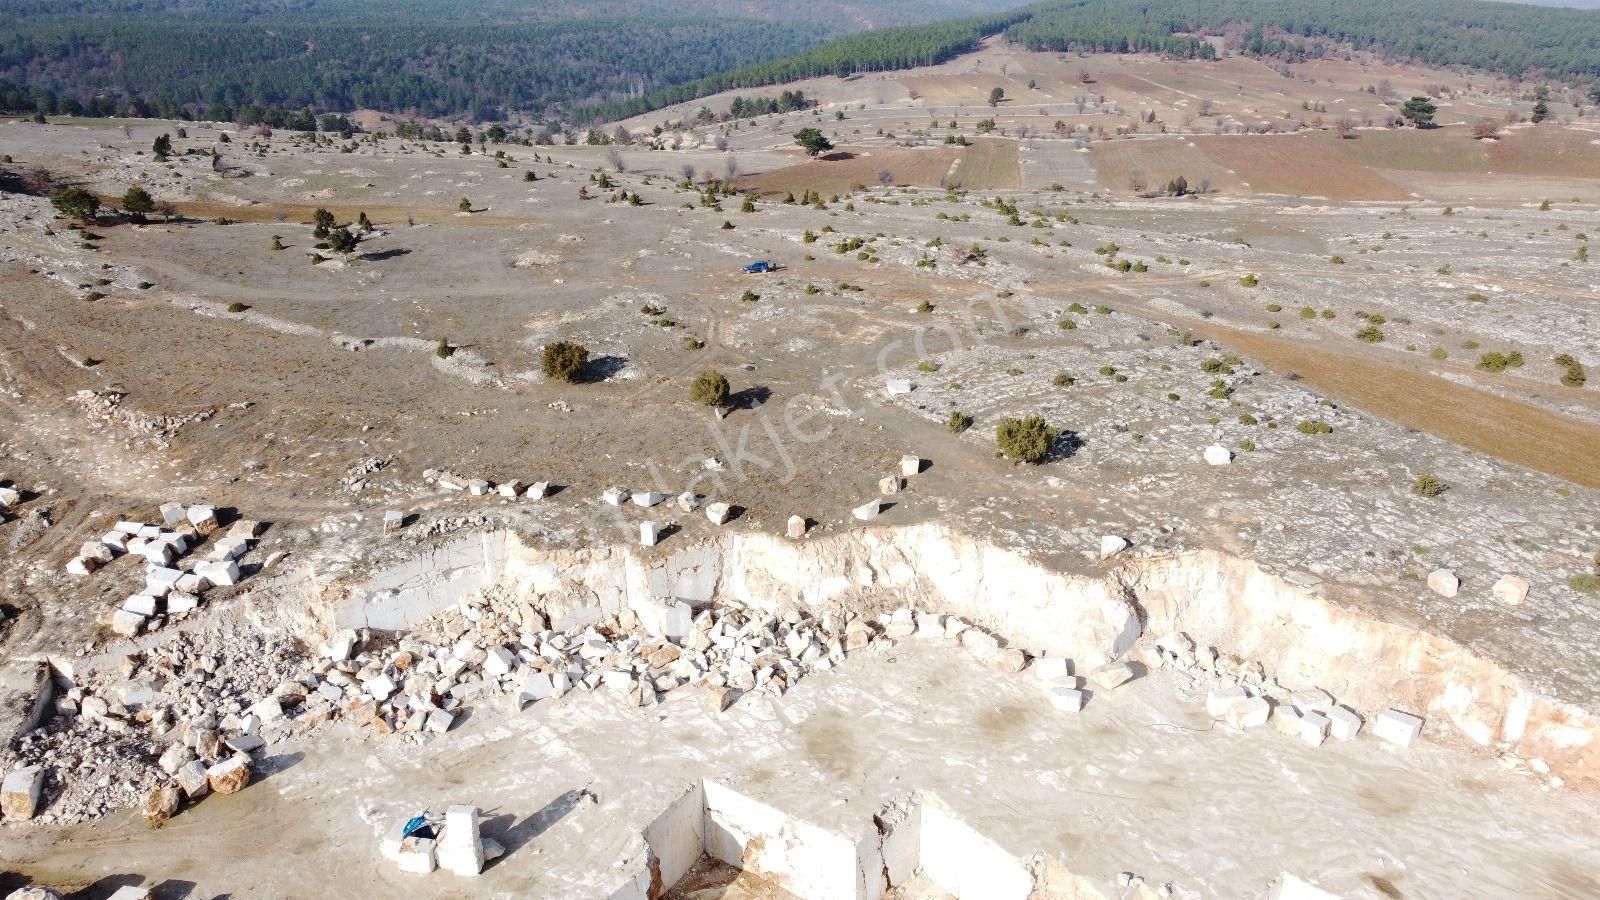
(585, 59)
(1500, 37)
(478, 58)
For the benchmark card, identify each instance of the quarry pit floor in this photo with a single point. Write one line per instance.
(1140, 781)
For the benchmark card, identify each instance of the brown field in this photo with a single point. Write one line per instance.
(1298, 164)
(1515, 432)
(1544, 151)
(1156, 161)
(990, 163)
(918, 168)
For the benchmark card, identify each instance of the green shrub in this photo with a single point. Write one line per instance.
(1024, 440)
(1307, 312)
(1274, 307)
(959, 421)
(1249, 280)
(1428, 485)
(1476, 297)
(1063, 379)
(237, 307)
(1107, 370)
(1314, 426)
(1585, 583)
(749, 297)
(1371, 334)
(927, 367)
(1439, 353)
(564, 360)
(710, 388)
(1246, 419)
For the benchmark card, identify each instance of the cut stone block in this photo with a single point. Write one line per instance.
(439, 721)
(510, 490)
(1510, 590)
(203, 518)
(127, 624)
(223, 572)
(1111, 545)
(537, 491)
(1444, 582)
(1396, 727)
(380, 688)
(1050, 668)
(477, 487)
(172, 513)
(1220, 698)
(115, 540)
(1248, 712)
(647, 499)
(890, 484)
(393, 520)
(129, 892)
(156, 553)
(79, 565)
(163, 575)
(341, 645)
(718, 513)
(179, 602)
(190, 583)
(688, 501)
(1112, 675)
(499, 662)
(97, 551)
(1218, 455)
(868, 511)
(898, 386)
(1067, 699)
(910, 466)
(19, 793)
(141, 604)
(614, 496)
(1343, 724)
(461, 845)
(1313, 727)
(649, 532)
(796, 527)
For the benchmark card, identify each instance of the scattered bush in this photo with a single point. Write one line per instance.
(1573, 375)
(1371, 334)
(749, 297)
(1063, 379)
(1314, 426)
(927, 367)
(564, 360)
(1428, 485)
(1585, 583)
(1249, 280)
(959, 421)
(237, 307)
(710, 388)
(1024, 440)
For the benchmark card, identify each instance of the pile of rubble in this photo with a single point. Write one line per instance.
(168, 725)
(1244, 697)
(173, 584)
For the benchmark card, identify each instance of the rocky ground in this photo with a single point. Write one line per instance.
(187, 361)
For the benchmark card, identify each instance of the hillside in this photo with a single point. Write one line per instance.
(441, 58)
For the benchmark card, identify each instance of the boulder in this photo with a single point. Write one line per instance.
(1510, 590)
(35, 892)
(229, 776)
(162, 804)
(1218, 455)
(718, 513)
(1112, 675)
(796, 527)
(1111, 545)
(910, 466)
(868, 510)
(193, 780)
(1443, 582)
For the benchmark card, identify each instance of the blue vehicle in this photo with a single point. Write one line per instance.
(757, 267)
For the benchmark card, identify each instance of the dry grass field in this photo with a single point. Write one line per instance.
(989, 164)
(1298, 164)
(1122, 164)
(1540, 151)
(846, 170)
